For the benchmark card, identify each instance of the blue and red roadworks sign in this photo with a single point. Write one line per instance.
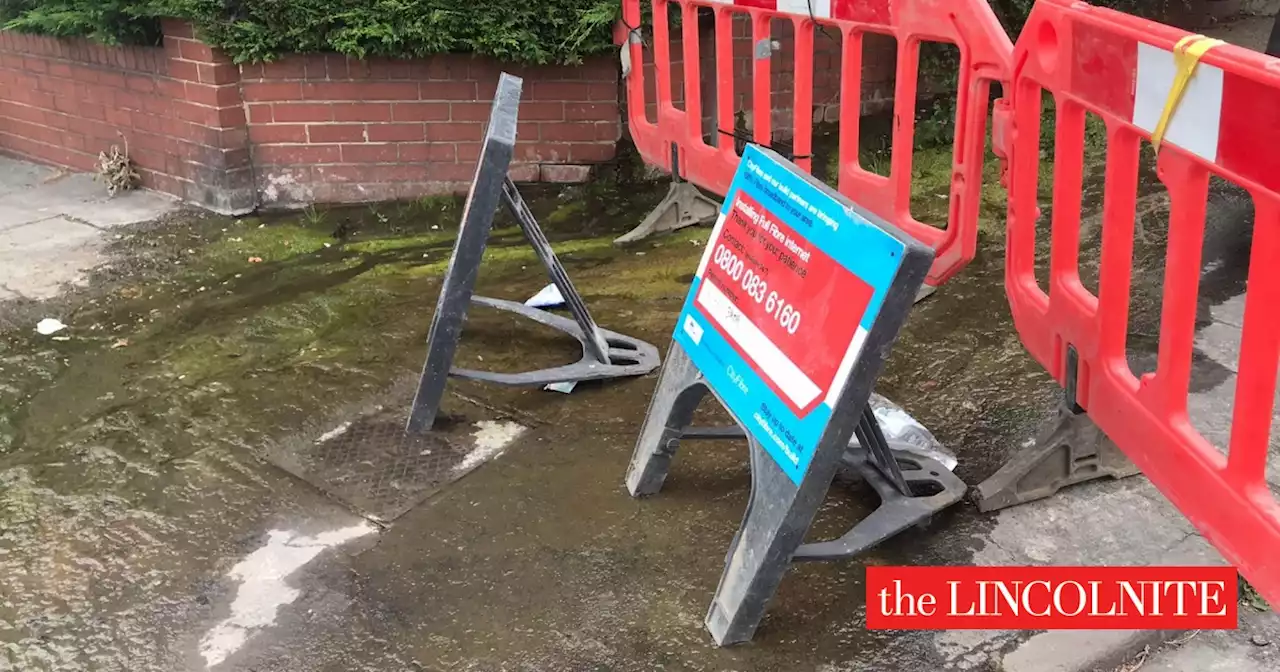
(783, 300)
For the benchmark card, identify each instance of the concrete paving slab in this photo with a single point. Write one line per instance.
(45, 234)
(52, 225)
(79, 196)
(1221, 343)
(1078, 650)
(1255, 647)
(16, 175)
(15, 215)
(45, 275)
(53, 195)
(123, 209)
(1098, 523)
(37, 259)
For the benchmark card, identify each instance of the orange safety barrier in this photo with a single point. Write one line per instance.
(1137, 76)
(969, 24)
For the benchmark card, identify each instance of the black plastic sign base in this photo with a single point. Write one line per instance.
(606, 354)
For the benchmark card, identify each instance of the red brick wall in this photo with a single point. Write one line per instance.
(64, 101)
(330, 128)
(307, 128)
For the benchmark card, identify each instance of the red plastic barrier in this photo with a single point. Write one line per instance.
(1121, 68)
(969, 24)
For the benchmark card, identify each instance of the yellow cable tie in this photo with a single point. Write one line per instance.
(1186, 56)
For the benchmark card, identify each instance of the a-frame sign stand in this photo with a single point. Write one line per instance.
(788, 322)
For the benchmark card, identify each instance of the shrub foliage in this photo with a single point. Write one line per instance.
(530, 31)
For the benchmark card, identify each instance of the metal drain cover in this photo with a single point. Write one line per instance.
(377, 469)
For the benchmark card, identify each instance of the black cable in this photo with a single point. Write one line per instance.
(821, 28)
(786, 151)
(633, 30)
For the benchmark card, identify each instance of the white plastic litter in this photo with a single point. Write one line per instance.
(900, 427)
(49, 326)
(547, 297)
(564, 388)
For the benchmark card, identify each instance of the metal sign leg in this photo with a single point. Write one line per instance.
(593, 340)
(681, 388)
(778, 515)
(464, 264)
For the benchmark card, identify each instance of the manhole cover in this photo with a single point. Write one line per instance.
(372, 465)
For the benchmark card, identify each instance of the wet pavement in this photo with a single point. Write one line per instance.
(148, 525)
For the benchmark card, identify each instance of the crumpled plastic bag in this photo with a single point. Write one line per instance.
(908, 434)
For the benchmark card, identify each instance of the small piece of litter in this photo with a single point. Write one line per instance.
(255, 260)
(61, 338)
(49, 326)
(328, 245)
(639, 254)
(190, 251)
(1259, 640)
(120, 343)
(565, 387)
(546, 297)
(333, 433)
(182, 376)
(435, 227)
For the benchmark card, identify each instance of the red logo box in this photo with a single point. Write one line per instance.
(1051, 598)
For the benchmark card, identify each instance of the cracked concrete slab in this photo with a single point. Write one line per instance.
(45, 235)
(1157, 534)
(80, 197)
(52, 226)
(12, 215)
(1255, 647)
(1097, 523)
(37, 259)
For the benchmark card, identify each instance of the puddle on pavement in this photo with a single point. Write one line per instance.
(214, 339)
(261, 587)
